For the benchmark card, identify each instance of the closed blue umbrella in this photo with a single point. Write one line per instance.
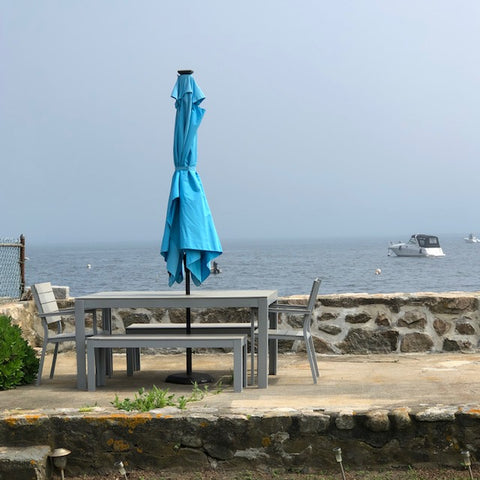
(190, 237)
(190, 241)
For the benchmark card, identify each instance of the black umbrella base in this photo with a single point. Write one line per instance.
(189, 378)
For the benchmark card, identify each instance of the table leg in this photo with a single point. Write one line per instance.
(262, 347)
(253, 317)
(80, 344)
(107, 329)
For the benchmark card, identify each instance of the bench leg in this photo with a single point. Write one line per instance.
(245, 369)
(101, 359)
(131, 361)
(109, 362)
(136, 365)
(90, 367)
(238, 361)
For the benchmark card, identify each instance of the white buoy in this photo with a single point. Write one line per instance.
(89, 266)
(378, 271)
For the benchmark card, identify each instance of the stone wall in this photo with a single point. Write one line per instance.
(194, 440)
(347, 323)
(419, 322)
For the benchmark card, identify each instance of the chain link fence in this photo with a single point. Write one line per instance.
(12, 268)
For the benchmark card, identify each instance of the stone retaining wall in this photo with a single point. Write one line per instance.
(198, 439)
(347, 323)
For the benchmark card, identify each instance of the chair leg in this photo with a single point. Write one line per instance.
(42, 360)
(54, 360)
(311, 359)
(314, 356)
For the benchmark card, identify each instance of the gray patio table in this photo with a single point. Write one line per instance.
(255, 299)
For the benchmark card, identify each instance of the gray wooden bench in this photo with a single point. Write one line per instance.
(223, 328)
(97, 346)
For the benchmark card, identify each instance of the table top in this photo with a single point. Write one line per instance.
(176, 294)
(174, 299)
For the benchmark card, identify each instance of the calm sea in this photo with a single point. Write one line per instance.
(345, 265)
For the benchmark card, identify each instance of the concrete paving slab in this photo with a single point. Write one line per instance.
(347, 382)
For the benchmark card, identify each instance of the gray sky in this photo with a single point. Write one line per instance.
(323, 118)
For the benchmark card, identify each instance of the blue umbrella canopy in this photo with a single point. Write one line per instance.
(189, 236)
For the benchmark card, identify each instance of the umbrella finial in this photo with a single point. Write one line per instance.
(185, 72)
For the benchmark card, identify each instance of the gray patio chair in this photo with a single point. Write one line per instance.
(50, 314)
(297, 334)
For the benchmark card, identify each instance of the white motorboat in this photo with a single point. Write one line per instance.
(419, 245)
(472, 239)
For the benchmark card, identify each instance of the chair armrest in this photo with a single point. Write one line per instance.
(63, 311)
(287, 306)
(290, 311)
(58, 312)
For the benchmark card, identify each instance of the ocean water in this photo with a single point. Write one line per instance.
(345, 265)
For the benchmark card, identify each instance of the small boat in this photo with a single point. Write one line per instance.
(472, 239)
(419, 245)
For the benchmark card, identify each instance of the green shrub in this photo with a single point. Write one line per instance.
(18, 362)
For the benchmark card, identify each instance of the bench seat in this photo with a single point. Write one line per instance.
(196, 328)
(97, 345)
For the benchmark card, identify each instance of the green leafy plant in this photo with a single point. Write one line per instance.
(219, 388)
(198, 393)
(147, 400)
(18, 362)
(87, 408)
(182, 402)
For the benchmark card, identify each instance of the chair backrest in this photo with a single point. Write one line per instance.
(307, 319)
(313, 294)
(45, 301)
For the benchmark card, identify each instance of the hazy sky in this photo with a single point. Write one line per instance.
(323, 118)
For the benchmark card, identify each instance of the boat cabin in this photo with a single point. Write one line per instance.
(425, 241)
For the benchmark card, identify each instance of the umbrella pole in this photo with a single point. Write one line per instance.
(188, 377)
(188, 316)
